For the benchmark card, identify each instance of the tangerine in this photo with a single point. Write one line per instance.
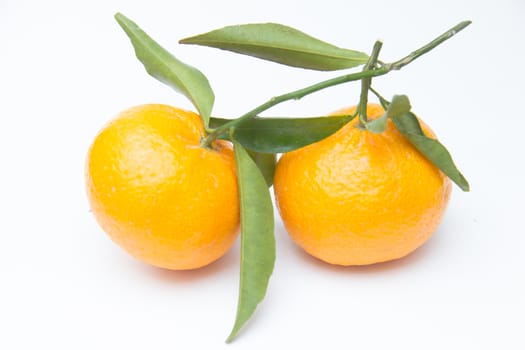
(157, 193)
(358, 198)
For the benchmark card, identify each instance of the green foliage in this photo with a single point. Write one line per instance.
(266, 162)
(258, 140)
(280, 135)
(257, 237)
(408, 124)
(164, 67)
(281, 44)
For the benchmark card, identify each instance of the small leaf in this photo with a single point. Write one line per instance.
(257, 238)
(377, 125)
(399, 105)
(279, 135)
(281, 44)
(266, 163)
(163, 66)
(433, 150)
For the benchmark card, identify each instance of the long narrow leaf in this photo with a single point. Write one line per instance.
(163, 66)
(281, 44)
(279, 135)
(257, 238)
(433, 150)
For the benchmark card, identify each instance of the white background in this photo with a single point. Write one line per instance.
(66, 68)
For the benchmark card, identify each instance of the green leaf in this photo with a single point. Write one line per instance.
(408, 123)
(433, 150)
(279, 135)
(399, 105)
(266, 163)
(281, 44)
(163, 66)
(257, 238)
(378, 125)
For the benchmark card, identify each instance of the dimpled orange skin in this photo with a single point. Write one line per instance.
(358, 198)
(157, 193)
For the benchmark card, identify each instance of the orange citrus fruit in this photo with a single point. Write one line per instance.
(358, 198)
(157, 193)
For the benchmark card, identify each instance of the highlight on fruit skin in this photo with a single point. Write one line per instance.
(168, 192)
(159, 195)
(358, 198)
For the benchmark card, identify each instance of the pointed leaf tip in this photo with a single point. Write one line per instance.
(163, 66)
(257, 238)
(281, 44)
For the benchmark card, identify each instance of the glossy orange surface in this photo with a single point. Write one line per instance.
(157, 193)
(359, 198)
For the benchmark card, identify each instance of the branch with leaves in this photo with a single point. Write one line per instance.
(256, 140)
